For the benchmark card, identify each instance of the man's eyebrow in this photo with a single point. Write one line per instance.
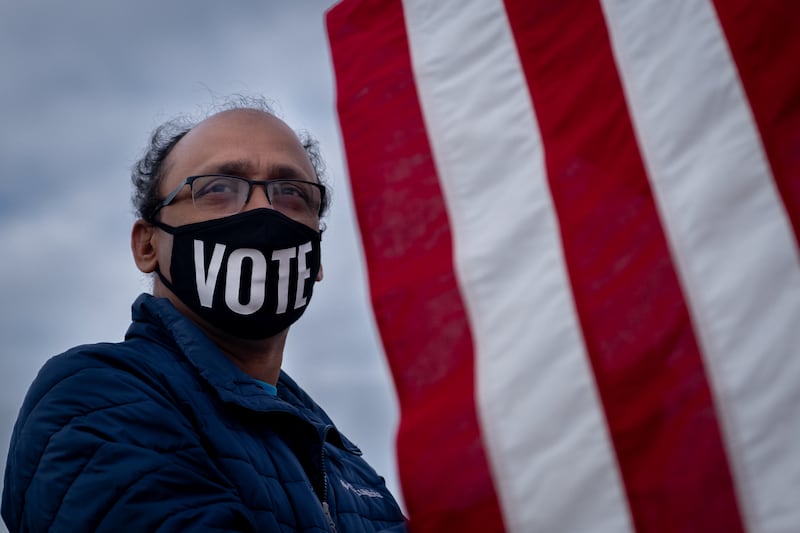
(241, 168)
(246, 168)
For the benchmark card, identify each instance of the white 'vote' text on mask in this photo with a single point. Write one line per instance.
(207, 281)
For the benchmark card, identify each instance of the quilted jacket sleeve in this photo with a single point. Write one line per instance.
(98, 448)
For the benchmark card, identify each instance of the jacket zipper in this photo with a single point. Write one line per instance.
(325, 507)
(327, 511)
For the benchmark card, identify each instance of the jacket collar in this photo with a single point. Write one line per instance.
(157, 320)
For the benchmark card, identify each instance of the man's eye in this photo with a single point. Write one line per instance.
(216, 187)
(291, 189)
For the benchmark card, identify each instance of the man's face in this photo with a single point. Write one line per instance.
(244, 143)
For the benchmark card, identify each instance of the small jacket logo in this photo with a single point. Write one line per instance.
(369, 493)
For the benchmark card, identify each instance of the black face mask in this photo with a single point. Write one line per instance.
(250, 275)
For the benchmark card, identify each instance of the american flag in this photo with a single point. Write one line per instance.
(581, 223)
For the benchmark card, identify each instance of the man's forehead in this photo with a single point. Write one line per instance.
(242, 142)
(241, 118)
(238, 127)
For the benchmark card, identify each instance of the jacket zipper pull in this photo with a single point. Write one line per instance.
(327, 511)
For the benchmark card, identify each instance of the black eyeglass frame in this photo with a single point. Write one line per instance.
(169, 198)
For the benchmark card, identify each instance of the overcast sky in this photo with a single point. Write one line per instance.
(81, 87)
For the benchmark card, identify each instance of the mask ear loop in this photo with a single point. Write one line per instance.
(171, 230)
(166, 227)
(164, 280)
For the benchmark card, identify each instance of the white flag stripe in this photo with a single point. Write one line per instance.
(531, 370)
(734, 247)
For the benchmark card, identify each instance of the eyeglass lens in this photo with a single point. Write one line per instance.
(226, 195)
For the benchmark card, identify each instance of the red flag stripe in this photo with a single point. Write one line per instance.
(765, 43)
(443, 468)
(679, 78)
(543, 423)
(635, 321)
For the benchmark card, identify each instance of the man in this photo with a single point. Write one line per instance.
(190, 424)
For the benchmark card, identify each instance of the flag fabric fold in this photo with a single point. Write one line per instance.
(580, 222)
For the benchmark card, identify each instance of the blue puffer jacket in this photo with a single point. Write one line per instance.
(164, 433)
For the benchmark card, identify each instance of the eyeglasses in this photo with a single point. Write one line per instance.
(222, 195)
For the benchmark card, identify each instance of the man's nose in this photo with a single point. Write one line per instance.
(258, 198)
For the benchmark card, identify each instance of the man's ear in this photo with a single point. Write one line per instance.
(142, 246)
(319, 274)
